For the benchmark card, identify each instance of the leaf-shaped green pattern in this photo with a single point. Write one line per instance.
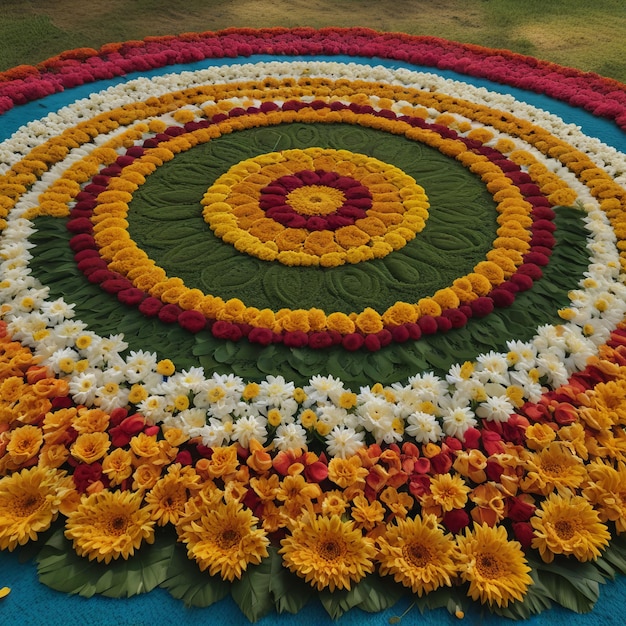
(252, 591)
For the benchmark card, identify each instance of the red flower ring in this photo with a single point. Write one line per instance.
(96, 268)
(275, 200)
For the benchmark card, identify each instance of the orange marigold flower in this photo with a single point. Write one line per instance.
(347, 472)
(167, 499)
(118, 466)
(223, 461)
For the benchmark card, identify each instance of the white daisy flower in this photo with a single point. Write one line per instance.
(343, 442)
(457, 420)
(423, 427)
(247, 428)
(495, 409)
(290, 437)
(83, 387)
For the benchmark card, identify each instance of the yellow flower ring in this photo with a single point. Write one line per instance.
(508, 254)
(312, 215)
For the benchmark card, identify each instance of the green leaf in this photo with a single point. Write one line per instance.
(290, 592)
(185, 582)
(60, 568)
(252, 591)
(339, 601)
(379, 593)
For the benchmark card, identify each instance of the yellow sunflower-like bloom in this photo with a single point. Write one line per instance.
(109, 524)
(495, 567)
(166, 500)
(447, 492)
(223, 538)
(328, 552)
(555, 467)
(607, 492)
(29, 502)
(568, 525)
(418, 554)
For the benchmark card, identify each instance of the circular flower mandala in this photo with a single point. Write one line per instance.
(318, 315)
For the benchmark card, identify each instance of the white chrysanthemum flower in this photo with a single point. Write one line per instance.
(323, 388)
(343, 441)
(139, 365)
(430, 386)
(154, 408)
(377, 417)
(111, 396)
(423, 427)
(521, 354)
(247, 428)
(57, 311)
(214, 434)
(551, 365)
(62, 361)
(106, 350)
(290, 437)
(332, 415)
(192, 418)
(528, 380)
(457, 420)
(492, 367)
(273, 391)
(68, 330)
(495, 409)
(83, 387)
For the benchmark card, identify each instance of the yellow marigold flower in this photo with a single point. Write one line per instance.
(366, 514)
(334, 503)
(495, 567)
(167, 499)
(24, 443)
(400, 313)
(428, 306)
(369, 321)
(90, 447)
(223, 461)
(297, 493)
(347, 472)
(341, 323)
(108, 525)
(145, 446)
(165, 367)
(347, 400)
(91, 421)
(328, 552)
(224, 539)
(568, 525)
(29, 503)
(448, 491)
(308, 418)
(138, 393)
(118, 466)
(446, 298)
(491, 271)
(538, 436)
(296, 320)
(398, 503)
(52, 455)
(251, 391)
(351, 237)
(146, 476)
(418, 554)
(554, 468)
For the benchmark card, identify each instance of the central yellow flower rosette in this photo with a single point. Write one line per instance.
(399, 209)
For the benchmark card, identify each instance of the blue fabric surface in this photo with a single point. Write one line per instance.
(32, 604)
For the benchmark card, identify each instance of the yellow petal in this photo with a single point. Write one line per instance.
(4, 592)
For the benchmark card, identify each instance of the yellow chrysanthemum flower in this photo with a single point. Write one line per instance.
(495, 567)
(328, 552)
(166, 500)
(29, 503)
(418, 554)
(109, 524)
(223, 538)
(554, 468)
(568, 525)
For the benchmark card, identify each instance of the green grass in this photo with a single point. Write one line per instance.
(577, 33)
